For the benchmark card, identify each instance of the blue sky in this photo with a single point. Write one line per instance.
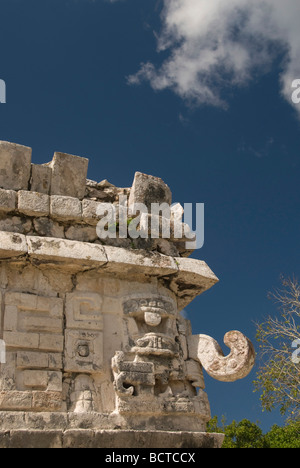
(209, 113)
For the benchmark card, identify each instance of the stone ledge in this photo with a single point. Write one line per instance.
(134, 261)
(31, 439)
(193, 278)
(186, 277)
(61, 251)
(12, 245)
(86, 438)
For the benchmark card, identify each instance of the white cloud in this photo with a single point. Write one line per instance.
(214, 45)
(261, 152)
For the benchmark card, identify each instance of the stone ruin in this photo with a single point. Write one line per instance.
(97, 353)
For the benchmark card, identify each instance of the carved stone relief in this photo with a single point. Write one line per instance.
(154, 371)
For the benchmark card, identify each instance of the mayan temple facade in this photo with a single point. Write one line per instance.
(94, 349)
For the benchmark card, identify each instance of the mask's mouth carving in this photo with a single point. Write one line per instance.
(156, 343)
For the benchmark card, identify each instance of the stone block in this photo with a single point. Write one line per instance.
(43, 379)
(137, 367)
(15, 400)
(1, 329)
(8, 200)
(194, 373)
(81, 233)
(16, 224)
(35, 378)
(89, 211)
(51, 342)
(55, 361)
(11, 420)
(21, 340)
(84, 310)
(40, 178)
(15, 166)
(48, 228)
(33, 203)
(39, 360)
(54, 382)
(83, 351)
(8, 373)
(33, 314)
(46, 401)
(29, 359)
(35, 439)
(33, 323)
(4, 439)
(65, 208)
(68, 175)
(44, 421)
(148, 189)
(78, 438)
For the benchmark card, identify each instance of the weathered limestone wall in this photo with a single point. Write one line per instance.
(97, 353)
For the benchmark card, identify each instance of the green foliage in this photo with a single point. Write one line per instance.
(114, 227)
(284, 437)
(246, 434)
(278, 377)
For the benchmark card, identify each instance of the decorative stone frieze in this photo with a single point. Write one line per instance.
(97, 352)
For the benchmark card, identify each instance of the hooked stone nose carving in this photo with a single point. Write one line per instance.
(208, 352)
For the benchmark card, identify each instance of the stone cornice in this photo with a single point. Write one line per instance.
(186, 277)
